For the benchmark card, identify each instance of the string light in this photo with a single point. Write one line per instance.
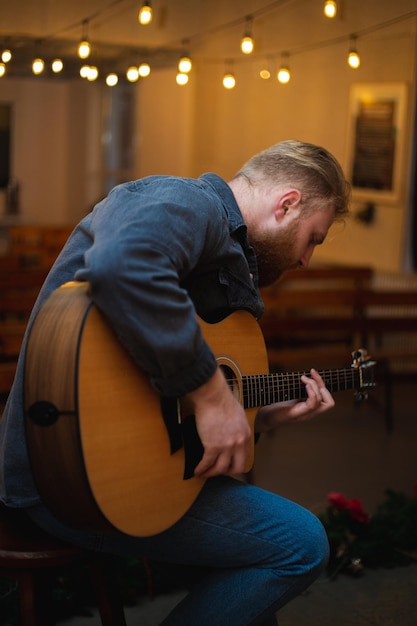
(330, 8)
(92, 73)
(354, 60)
(181, 78)
(265, 71)
(38, 66)
(185, 65)
(229, 81)
(247, 43)
(6, 55)
(132, 74)
(112, 79)
(57, 66)
(145, 14)
(284, 74)
(84, 69)
(84, 47)
(2, 70)
(184, 68)
(144, 70)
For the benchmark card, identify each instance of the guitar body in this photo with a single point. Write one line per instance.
(98, 443)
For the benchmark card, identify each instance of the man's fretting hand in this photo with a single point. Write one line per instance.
(319, 399)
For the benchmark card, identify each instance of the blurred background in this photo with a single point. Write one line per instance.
(65, 140)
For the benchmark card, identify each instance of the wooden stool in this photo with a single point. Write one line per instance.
(26, 553)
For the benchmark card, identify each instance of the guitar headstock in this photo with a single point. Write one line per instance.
(363, 363)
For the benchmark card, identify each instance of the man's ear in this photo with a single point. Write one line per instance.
(287, 203)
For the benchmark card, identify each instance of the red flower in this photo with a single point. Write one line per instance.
(337, 500)
(340, 503)
(356, 511)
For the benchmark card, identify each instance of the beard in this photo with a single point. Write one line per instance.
(275, 253)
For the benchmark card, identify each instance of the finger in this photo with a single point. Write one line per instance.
(312, 389)
(238, 461)
(319, 398)
(227, 462)
(326, 396)
(207, 462)
(316, 376)
(214, 465)
(218, 468)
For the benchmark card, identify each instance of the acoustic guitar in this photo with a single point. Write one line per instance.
(107, 452)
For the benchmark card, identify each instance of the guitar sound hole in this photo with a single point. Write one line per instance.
(231, 378)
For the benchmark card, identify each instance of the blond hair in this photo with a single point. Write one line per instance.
(309, 168)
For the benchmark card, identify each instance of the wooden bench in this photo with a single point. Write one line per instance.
(31, 251)
(315, 313)
(318, 317)
(324, 310)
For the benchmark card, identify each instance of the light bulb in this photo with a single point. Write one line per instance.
(144, 70)
(145, 14)
(6, 55)
(57, 66)
(247, 45)
(330, 8)
(84, 49)
(229, 81)
(92, 73)
(132, 74)
(353, 56)
(2, 69)
(354, 59)
(265, 70)
(284, 75)
(84, 71)
(38, 66)
(181, 78)
(112, 80)
(185, 65)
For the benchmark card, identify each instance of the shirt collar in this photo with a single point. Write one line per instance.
(237, 224)
(223, 190)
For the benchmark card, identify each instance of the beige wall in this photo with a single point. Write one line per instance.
(202, 127)
(314, 106)
(165, 115)
(54, 147)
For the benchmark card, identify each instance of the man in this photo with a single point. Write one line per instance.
(155, 252)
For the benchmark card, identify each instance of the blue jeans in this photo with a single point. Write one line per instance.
(259, 551)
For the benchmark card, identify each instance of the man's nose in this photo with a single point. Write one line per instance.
(305, 259)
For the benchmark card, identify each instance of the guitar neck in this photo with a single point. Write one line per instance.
(264, 389)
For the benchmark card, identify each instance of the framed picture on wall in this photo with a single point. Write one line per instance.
(376, 131)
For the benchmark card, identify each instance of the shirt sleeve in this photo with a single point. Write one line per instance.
(143, 248)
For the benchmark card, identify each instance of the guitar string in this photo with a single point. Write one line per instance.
(267, 386)
(281, 388)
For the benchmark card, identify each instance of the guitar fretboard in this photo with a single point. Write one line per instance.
(264, 389)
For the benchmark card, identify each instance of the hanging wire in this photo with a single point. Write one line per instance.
(272, 6)
(108, 12)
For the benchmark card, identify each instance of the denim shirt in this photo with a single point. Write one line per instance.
(155, 252)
